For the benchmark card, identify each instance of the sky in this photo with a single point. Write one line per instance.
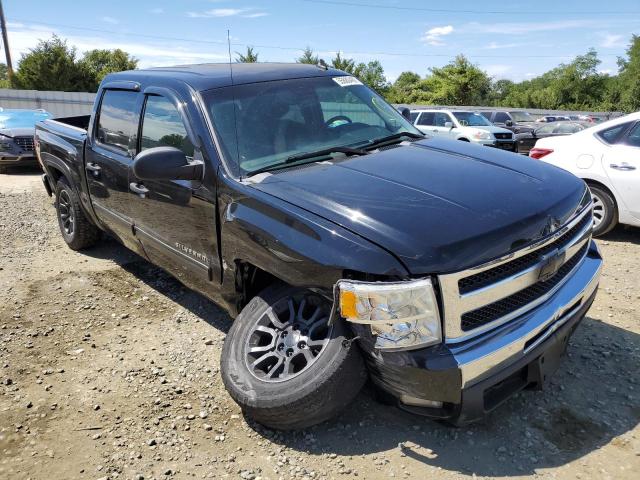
(515, 40)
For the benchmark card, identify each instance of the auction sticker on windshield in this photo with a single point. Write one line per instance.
(347, 81)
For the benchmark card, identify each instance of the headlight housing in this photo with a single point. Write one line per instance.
(483, 135)
(402, 315)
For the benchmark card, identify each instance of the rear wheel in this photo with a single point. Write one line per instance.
(77, 231)
(605, 211)
(285, 366)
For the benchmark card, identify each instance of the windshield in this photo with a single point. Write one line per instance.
(21, 118)
(522, 116)
(471, 119)
(280, 119)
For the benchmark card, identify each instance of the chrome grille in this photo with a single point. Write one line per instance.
(481, 298)
(26, 143)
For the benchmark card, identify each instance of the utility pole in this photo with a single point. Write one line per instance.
(5, 42)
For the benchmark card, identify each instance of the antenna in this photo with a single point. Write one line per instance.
(230, 61)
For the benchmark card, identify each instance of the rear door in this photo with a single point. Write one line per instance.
(175, 220)
(425, 123)
(110, 149)
(621, 161)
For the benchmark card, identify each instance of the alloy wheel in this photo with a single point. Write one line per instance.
(65, 209)
(288, 338)
(599, 210)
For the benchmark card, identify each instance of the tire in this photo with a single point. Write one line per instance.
(605, 211)
(3, 169)
(315, 390)
(77, 231)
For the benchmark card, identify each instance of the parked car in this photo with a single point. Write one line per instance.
(463, 125)
(607, 157)
(351, 245)
(552, 118)
(555, 129)
(522, 124)
(16, 136)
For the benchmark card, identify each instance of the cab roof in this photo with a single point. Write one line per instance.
(214, 75)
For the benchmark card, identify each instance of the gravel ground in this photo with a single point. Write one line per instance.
(110, 369)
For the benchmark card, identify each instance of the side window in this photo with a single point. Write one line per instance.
(486, 115)
(547, 129)
(612, 134)
(414, 116)
(426, 119)
(440, 119)
(633, 138)
(501, 117)
(567, 128)
(162, 126)
(118, 119)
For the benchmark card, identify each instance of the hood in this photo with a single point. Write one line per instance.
(18, 132)
(490, 128)
(437, 205)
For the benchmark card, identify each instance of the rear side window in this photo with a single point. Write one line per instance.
(501, 117)
(426, 119)
(162, 126)
(414, 116)
(612, 135)
(633, 138)
(118, 119)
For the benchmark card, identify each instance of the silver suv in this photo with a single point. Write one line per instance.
(463, 125)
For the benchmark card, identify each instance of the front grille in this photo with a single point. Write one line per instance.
(506, 270)
(26, 143)
(505, 306)
(504, 136)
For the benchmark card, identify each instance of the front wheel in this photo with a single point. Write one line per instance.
(605, 212)
(285, 366)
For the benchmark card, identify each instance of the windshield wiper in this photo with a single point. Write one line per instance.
(306, 155)
(391, 138)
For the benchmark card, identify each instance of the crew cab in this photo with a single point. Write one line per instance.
(345, 242)
(463, 125)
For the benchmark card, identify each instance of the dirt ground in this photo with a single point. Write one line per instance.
(110, 369)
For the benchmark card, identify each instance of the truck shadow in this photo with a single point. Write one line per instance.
(622, 234)
(589, 402)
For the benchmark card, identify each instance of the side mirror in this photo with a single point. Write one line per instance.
(165, 163)
(406, 113)
(508, 123)
(448, 125)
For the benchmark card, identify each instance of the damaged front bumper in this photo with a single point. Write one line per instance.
(461, 382)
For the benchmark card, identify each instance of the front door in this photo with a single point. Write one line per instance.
(621, 161)
(440, 120)
(109, 154)
(175, 220)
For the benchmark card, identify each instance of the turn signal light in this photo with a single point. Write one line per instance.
(540, 152)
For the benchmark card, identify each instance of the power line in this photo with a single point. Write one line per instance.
(298, 49)
(491, 12)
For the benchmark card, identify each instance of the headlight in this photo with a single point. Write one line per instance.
(402, 315)
(483, 135)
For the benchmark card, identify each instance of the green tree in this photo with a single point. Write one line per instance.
(627, 87)
(372, 74)
(345, 64)
(96, 64)
(249, 57)
(309, 57)
(404, 88)
(51, 65)
(4, 76)
(458, 83)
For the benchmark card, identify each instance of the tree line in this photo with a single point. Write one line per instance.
(577, 85)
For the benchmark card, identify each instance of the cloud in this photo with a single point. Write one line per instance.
(499, 46)
(521, 28)
(228, 12)
(111, 20)
(434, 35)
(611, 40)
(149, 54)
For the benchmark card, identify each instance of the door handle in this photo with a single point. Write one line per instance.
(624, 166)
(141, 190)
(94, 168)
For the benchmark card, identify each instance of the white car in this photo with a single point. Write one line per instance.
(463, 125)
(607, 157)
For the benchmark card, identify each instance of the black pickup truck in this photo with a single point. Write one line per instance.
(346, 243)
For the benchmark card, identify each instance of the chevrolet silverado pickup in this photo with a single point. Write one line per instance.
(346, 244)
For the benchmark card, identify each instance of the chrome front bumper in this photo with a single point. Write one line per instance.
(478, 358)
